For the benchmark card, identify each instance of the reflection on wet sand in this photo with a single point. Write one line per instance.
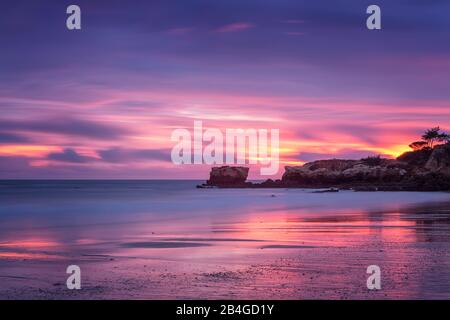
(285, 248)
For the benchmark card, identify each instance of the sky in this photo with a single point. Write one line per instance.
(102, 102)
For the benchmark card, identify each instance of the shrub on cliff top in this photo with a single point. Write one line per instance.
(418, 145)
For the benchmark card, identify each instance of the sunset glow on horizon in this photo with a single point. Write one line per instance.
(102, 102)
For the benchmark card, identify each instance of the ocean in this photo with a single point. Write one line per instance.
(166, 239)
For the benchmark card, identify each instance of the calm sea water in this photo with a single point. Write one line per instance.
(167, 239)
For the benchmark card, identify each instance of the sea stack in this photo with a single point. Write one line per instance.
(227, 176)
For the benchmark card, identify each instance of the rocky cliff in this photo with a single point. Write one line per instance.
(421, 170)
(343, 172)
(439, 160)
(226, 176)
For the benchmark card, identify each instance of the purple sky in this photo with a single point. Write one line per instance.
(102, 102)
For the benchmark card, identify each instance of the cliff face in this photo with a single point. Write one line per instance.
(439, 159)
(336, 172)
(416, 158)
(423, 170)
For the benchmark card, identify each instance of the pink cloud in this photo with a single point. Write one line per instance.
(133, 129)
(238, 26)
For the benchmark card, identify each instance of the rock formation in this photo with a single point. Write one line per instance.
(439, 159)
(226, 175)
(422, 170)
(344, 173)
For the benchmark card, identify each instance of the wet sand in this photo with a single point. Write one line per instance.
(283, 244)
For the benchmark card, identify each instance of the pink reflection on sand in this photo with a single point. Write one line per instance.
(31, 249)
(32, 256)
(28, 244)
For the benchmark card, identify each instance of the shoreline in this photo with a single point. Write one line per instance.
(321, 188)
(255, 247)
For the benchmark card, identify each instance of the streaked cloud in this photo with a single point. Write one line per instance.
(124, 155)
(66, 126)
(102, 103)
(69, 155)
(293, 21)
(234, 27)
(6, 137)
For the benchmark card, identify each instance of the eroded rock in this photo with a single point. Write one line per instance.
(227, 175)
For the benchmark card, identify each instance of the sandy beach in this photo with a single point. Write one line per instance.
(168, 240)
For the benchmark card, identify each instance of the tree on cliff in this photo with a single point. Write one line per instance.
(433, 135)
